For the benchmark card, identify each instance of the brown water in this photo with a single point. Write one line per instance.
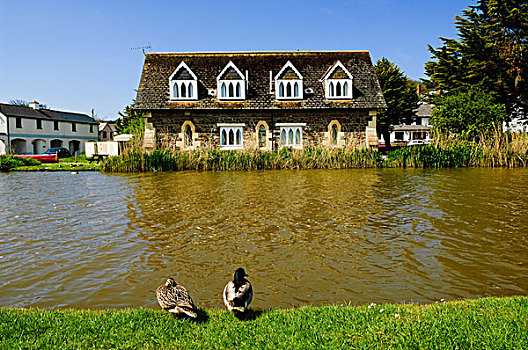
(304, 237)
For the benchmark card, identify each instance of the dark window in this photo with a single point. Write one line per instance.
(398, 135)
(104, 134)
(39, 124)
(74, 127)
(262, 136)
(19, 122)
(188, 137)
(334, 134)
(55, 125)
(91, 128)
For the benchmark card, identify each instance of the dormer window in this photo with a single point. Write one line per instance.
(231, 83)
(183, 84)
(289, 83)
(337, 83)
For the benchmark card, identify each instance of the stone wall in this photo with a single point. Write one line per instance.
(170, 126)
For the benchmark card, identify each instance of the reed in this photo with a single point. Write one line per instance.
(496, 150)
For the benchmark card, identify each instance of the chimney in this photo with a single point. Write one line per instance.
(35, 105)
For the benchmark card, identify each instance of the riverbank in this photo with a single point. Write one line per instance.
(488, 323)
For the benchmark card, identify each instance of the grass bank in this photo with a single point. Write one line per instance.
(81, 163)
(489, 323)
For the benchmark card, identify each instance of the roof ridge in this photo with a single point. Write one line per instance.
(271, 52)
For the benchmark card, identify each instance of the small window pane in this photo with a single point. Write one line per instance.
(345, 89)
(331, 89)
(338, 89)
(223, 138)
(238, 90)
(290, 137)
(298, 137)
(262, 136)
(288, 90)
(190, 90)
(231, 92)
(223, 94)
(175, 89)
(281, 90)
(238, 137)
(283, 137)
(296, 90)
(231, 137)
(183, 90)
(334, 134)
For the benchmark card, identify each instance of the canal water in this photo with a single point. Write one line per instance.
(309, 237)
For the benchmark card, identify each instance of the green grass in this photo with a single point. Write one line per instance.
(64, 164)
(490, 323)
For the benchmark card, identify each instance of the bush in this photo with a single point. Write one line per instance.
(9, 162)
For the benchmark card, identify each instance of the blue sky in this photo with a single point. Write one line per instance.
(76, 55)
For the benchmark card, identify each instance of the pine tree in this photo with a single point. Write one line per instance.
(489, 55)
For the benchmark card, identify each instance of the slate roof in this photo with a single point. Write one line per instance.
(424, 110)
(154, 93)
(45, 114)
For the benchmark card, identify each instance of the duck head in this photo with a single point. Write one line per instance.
(170, 282)
(239, 275)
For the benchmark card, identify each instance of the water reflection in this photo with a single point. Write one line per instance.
(305, 237)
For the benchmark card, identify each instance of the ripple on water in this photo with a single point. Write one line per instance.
(304, 237)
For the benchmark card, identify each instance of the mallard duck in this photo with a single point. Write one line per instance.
(174, 298)
(238, 293)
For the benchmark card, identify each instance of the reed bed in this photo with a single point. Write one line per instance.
(496, 150)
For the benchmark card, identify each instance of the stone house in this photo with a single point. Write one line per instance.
(33, 129)
(266, 100)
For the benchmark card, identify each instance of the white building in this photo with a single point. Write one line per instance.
(32, 130)
(401, 135)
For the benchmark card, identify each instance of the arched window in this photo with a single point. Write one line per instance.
(262, 136)
(345, 89)
(190, 90)
(288, 90)
(188, 135)
(223, 138)
(283, 137)
(175, 90)
(238, 137)
(334, 135)
(331, 88)
(338, 89)
(231, 92)
(298, 137)
(223, 92)
(290, 137)
(281, 90)
(231, 137)
(296, 90)
(238, 90)
(183, 90)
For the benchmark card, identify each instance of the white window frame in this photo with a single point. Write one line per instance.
(330, 93)
(284, 83)
(243, 84)
(294, 127)
(189, 85)
(235, 128)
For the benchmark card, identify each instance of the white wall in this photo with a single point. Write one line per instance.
(30, 133)
(3, 124)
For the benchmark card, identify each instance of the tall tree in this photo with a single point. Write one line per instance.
(130, 121)
(489, 55)
(400, 95)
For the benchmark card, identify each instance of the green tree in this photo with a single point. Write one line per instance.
(489, 55)
(130, 121)
(467, 114)
(400, 96)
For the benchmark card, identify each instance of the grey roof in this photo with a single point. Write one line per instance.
(424, 110)
(45, 114)
(154, 93)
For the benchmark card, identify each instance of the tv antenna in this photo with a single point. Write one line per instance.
(142, 48)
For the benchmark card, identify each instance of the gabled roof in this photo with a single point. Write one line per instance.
(337, 71)
(45, 114)
(424, 110)
(103, 125)
(183, 72)
(154, 90)
(288, 72)
(231, 72)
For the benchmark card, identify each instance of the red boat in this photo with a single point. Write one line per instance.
(43, 158)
